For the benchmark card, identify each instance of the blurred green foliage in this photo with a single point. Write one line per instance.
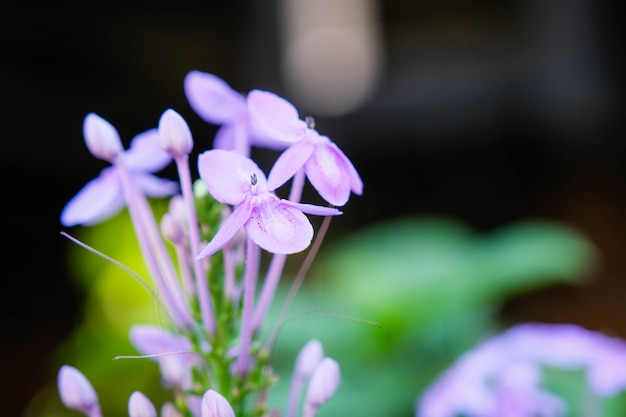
(432, 286)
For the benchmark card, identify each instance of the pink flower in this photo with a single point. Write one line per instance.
(103, 197)
(276, 225)
(217, 103)
(328, 169)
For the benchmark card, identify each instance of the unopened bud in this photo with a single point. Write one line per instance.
(322, 386)
(175, 135)
(171, 229)
(101, 138)
(309, 357)
(76, 391)
(215, 405)
(140, 406)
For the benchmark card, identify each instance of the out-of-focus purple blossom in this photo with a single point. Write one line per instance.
(276, 225)
(503, 375)
(103, 197)
(168, 409)
(76, 391)
(322, 386)
(194, 405)
(217, 103)
(328, 169)
(140, 406)
(215, 405)
(175, 365)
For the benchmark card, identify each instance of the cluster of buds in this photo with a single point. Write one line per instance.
(209, 351)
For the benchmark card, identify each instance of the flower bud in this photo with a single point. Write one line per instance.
(169, 410)
(309, 357)
(171, 229)
(101, 138)
(322, 386)
(140, 406)
(215, 405)
(76, 391)
(175, 134)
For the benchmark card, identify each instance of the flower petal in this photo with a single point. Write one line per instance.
(278, 227)
(226, 175)
(313, 209)
(153, 340)
(233, 137)
(153, 186)
(327, 172)
(146, 153)
(212, 98)
(288, 163)
(356, 184)
(228, 229)
(98, 200)
(274, 118)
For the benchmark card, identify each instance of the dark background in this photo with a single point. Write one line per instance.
(485, 111)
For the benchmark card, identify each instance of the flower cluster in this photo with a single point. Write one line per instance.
(209, 353)
(503, 375)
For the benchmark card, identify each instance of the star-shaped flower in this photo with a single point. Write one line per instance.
(328, 169)
(276, 225)
(103, 196)
(217, 103)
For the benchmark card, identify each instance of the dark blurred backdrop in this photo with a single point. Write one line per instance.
(485, 111)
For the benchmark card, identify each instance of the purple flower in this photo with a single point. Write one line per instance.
(276, 225)
(217, 103)
(103, 197)
(328, 169)
(503, 375)
(174, 363)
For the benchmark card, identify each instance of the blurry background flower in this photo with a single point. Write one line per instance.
(484, 114)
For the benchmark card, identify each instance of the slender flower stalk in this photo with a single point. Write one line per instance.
(277, 264)
(173, 231)
(242, 365)
(153, 248)
(177, 140)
